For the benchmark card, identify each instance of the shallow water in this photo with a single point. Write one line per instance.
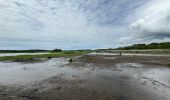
(133, 79)
(20, 73)
(14, 73)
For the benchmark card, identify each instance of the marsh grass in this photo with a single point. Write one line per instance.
(50, 55)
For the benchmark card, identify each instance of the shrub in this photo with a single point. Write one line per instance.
(56, 50)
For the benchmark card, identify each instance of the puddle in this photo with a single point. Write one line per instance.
(129, 65)
(109, 58)
(104, 54)
(18, 73)
(159, 75)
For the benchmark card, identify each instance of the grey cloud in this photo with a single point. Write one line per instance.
(112, 12)
(156, 25)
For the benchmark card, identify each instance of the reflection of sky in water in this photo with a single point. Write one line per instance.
(129, 75)
(11, 73)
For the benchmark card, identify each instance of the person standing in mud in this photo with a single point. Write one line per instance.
(120, 53)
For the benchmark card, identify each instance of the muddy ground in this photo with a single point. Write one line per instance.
(89, 77)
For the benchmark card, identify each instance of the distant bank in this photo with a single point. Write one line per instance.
(153, 48)
(163, 45)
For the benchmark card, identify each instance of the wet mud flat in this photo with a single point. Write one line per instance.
(89, 77)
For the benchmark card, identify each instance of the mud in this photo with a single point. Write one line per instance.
(90, 77)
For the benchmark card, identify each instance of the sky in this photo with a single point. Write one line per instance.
(82, 24)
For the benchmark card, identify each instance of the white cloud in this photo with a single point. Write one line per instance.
(70, 24)
(155, 21)
(55, 22)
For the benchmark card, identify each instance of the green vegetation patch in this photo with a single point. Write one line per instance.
(50, 55)
(163, 45)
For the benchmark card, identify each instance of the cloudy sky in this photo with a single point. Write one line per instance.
(82, 24)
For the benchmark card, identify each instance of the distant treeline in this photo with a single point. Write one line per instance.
(29, 51)
(163, 45)
(22, 51)
(39, 50)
